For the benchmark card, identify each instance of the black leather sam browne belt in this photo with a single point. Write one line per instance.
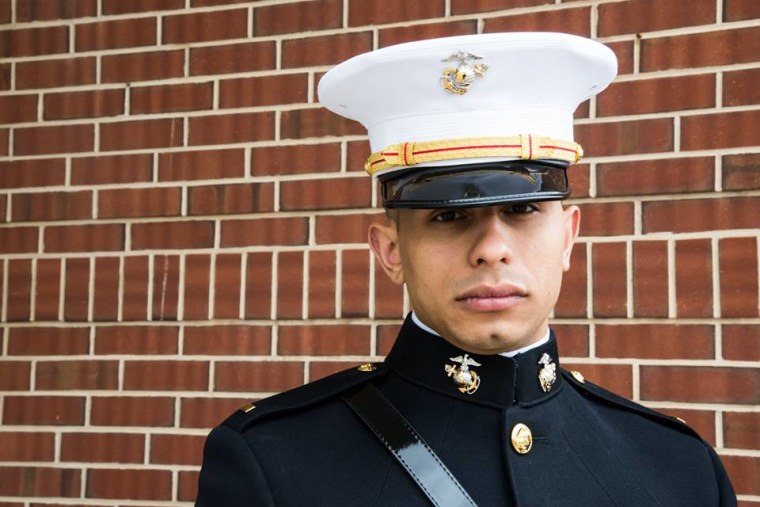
(401, 439)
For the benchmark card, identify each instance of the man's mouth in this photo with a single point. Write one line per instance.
(491, 298)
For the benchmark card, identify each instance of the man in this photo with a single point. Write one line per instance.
(471, 139)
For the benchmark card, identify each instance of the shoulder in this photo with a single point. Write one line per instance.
(305, 396)
(603, 397)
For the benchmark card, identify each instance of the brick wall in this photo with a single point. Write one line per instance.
(183, 227)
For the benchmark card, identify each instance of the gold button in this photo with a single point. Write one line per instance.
(367, 367)
(578, 376)
(522, 438)
(247, 407)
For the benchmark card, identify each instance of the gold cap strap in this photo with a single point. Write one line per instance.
(525, 146)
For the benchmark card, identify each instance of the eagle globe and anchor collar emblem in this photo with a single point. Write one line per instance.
(467, 380)
(459, 79)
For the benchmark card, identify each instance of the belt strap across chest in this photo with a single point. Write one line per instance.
(408, 447)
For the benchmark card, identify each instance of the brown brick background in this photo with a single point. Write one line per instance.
(183, 227)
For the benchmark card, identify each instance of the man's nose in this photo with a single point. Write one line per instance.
(491, 242)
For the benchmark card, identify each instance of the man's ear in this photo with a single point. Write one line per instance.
(572, 216)
(383, 240)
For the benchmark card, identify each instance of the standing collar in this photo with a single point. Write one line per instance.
(421, 357)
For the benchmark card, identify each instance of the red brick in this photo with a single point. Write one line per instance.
(690, 215)
(323, 340)
(135, 288)
(76, 295)
(228, 199)
(111, 169)
(662, 176)
(55, 73)
(88, 104)
(321, 279)
(295, 159)
(392, 11)
(263, 91)
(610, 279)
(18, 108)
(205, 26)
(737, 10)
(170, 98)
(338, 193)
(625, 138)
(606, 219)
(321, 369)
(75, 375)
(48, 341)
(142, 340)
(231, 128)
(33, 41)
(200, 165)
(265, 231)
(694, 278)
(129, 135)
(386, 337)
(133, 484)
(740, 430)
(15, 376)
(714, 131)
(741, 342)
(741, 172)
(389, 297)
(43, 410)
(207, 412)
(573, 298)
(650, 279)
(57, 139)
(297, 17)
(18, 302)
(166, 277)
(197, 278)
(700, 384)
(105, 299)
(146, 66)
(40, 482)
(743, 471)
(126, 7)
(640, 16)
(227, 281)
(27, 446)
(163, 235)
(244, 340)
(150, 411)
(303, 123)
(290, 285)
(324, 50)
(103, 447)
(345, 228)
(356, 156)
(232, 58)
(739, 89)
(615, 377)
(471, 6)
(576, 21)
(139, 202)
(657, 95)
(355, 283)
(655, 341)
(166, 375)
(47, 293)
(702, 421)
(258, 285)
(725, 47)
(187, 490)
(5, 18)
(572, 339)
(625, 56)
(401, 34)
(32, 173)
(116, 34)
(34, 10)
(269, 376)
(5, 76)
(738, 277)
(51, 206)
(176, 449)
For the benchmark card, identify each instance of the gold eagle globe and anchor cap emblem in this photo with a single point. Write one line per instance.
(467, 380)
(459, 79)
(548, 374)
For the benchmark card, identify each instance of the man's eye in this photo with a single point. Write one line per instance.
(447, 216)
(522, 209)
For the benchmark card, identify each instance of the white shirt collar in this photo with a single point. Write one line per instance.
(511, 353)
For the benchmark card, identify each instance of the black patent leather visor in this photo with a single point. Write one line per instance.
(474, 185)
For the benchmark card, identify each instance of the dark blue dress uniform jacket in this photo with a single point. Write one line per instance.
(306, 447)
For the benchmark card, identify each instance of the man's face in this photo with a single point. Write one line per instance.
(484, 278)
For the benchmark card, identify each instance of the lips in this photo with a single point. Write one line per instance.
(491, 298)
